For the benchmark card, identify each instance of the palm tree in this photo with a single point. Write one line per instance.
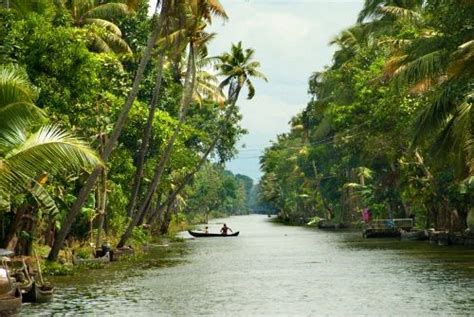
(28, 148)
(97, 17)
(237, 67)
(195, 14)
(431, 65)
(25, 152)
(120, 123)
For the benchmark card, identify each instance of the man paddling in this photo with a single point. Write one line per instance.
(224, 230)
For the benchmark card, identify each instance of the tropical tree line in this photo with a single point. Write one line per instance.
(389, 125)
(217, 191)
(108, 116)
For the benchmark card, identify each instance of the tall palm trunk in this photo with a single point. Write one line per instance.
(185, 102)
(146, 138)
(86, 189)
(102, 197)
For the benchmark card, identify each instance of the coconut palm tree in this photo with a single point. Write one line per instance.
(120, 123)
(28, 148)
(439, 66)
(97, 17)
(192, 16)
(25, 152)
(237, 67)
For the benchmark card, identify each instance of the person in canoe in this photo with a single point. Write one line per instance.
(224, 230)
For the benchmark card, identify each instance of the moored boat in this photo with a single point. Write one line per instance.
(198, 234)
(10, 294)
(414, 235)
(39, 293)
(22, 274)
(103, 259)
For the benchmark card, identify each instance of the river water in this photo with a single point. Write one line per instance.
(276, 270)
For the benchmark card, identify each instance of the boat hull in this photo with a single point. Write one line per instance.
(10, 304)
(39, 294)
(211, 235)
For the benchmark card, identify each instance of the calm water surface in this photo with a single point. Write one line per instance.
(275, 270)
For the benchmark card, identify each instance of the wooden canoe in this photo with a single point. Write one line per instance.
(103, 259)
(198, 234)
(39, 293)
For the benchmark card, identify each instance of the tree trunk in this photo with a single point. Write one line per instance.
(11, 238)
(165, 224)
(86, 189)
(154, 218)
(146, 138)
(318, 188)
(102, 206)
(185, 101)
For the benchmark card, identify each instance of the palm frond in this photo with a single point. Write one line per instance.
(12, 136)
(401, 13)
(116, 43)
(20, 113)
(456, 138)
(109, 26)
(462, 60)
(108, 11)
(369, 9)
(14, 87)
(453, 135)
(255, 73)
(49, 149)
(251, 89)
(435, 114)
(427, 66)
(97, 44)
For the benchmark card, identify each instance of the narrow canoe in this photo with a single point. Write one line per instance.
(39, 293)
(209, 235)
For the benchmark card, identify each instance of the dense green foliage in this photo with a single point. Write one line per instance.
(219, 191)
(389, 125)
(77, 60)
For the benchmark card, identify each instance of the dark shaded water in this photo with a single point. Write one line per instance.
(275, 270)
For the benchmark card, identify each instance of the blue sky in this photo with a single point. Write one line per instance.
(291, 39)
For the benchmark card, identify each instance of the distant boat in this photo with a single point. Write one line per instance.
(414, 235)
(103, 259)
(209, 235)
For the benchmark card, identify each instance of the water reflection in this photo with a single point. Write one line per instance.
(278, 270)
